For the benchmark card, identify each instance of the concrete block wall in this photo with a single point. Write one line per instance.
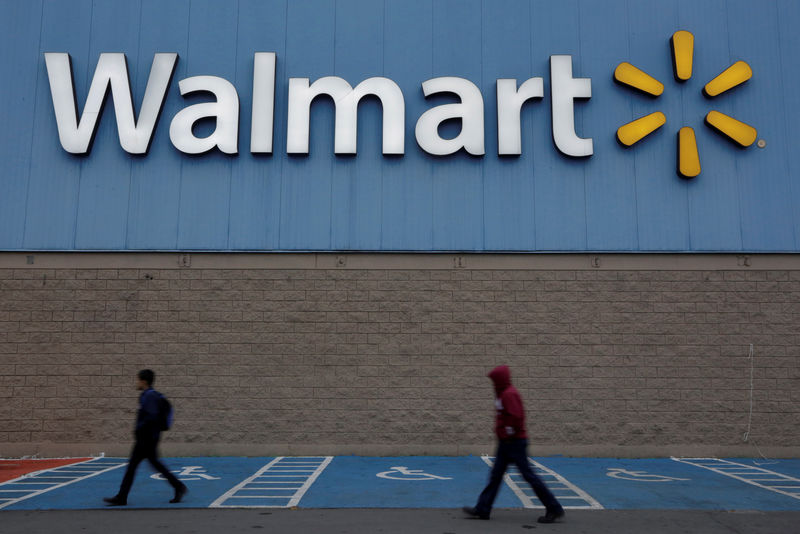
(631, 355)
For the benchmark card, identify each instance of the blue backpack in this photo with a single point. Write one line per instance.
(165, 413)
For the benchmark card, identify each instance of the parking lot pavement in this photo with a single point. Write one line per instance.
(420, 482)
(395, 521)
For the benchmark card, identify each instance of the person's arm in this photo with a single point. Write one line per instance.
(148, 412)
(514, 414)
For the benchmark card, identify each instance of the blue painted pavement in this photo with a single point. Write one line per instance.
(419, 482)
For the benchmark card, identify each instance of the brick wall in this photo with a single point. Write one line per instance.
(374, 354)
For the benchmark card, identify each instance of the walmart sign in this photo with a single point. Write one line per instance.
(135, 136)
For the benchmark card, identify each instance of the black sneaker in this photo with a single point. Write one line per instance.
(180, 491)
(551, 516)
(473, 512)
(116, 500)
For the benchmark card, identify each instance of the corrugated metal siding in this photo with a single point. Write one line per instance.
(617, 200)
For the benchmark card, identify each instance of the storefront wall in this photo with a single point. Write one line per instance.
(388, 354)
(332, 303)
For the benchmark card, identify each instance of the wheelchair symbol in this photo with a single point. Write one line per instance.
(190, 472)
(640, 476)
(404, 473)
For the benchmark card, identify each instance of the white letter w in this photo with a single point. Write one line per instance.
(112, 69)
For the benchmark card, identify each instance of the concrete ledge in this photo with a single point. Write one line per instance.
(438, 261)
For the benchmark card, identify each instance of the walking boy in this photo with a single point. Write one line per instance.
(147, 433)
(512, 448)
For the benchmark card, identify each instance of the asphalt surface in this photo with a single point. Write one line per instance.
(390, 521)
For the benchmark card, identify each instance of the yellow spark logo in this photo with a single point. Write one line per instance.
(682, 54)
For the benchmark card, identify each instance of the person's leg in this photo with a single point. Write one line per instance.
(519, 456)
(177, 485)
(161, 468)
(488, 495)
(553, 509)
(137, 455)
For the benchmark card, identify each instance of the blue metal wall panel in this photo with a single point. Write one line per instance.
(508, 210)
(407, 204)
(788, 15)
(356, 180)
(767, 213)
(307, 181)
(618, 199)
(19, 52)
(206, 179)
(156, 179)
(105, 177)
(713, 201)
(559, 181)
(256, 181)
(611, 202)
(457, 179)
(52, 204)
(662, 205)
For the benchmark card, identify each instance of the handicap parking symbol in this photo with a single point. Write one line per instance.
(640, 476)
(190, 472)
(404, 473)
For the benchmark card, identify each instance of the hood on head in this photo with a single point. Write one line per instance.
(501, 376)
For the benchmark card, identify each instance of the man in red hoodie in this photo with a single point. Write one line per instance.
(512, 447)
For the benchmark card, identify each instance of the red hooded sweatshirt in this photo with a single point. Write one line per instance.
(510, 422)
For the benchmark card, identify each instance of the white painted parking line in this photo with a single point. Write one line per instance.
(278, 484)
(562, 488)
(756, 476)
(43, 483)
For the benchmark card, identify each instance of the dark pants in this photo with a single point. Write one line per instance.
(514, 451)
(145, 449)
